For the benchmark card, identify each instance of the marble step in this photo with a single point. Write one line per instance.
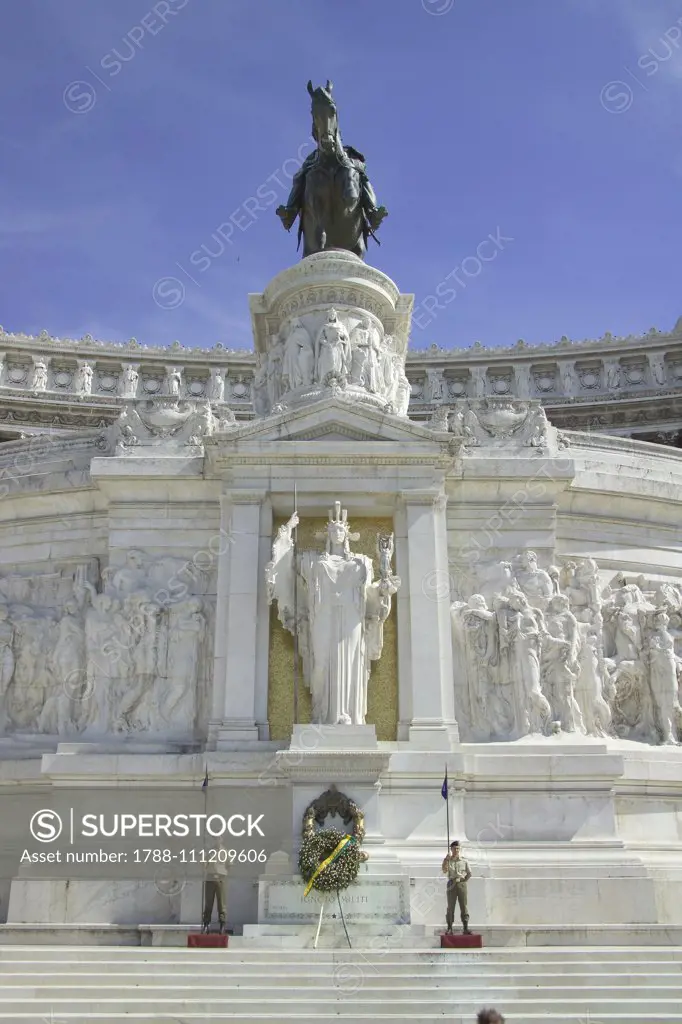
(453, 1017)
(175, 954)
(70, 985)
(344, 976)
(642, 1009)
(437, 962)
(544, 1017)
(107, 937)
(455, 991)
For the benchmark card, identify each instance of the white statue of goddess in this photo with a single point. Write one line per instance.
(340, 612)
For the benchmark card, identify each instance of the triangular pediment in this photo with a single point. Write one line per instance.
(332, 420)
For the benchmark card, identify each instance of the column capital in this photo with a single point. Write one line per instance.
(254, 496)
(426, 496)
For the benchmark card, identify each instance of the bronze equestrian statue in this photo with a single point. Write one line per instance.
(331, 193)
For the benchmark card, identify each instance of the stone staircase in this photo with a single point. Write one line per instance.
(569, 985)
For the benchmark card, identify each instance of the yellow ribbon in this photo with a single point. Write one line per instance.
(325, 863)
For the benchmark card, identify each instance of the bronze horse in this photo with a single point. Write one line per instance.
(331, 193)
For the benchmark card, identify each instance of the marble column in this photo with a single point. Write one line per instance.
(263, 627)
(433, 724)
(239, 621)
(402, 603)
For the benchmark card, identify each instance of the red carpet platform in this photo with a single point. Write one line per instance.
(461, 941)
(197, 940)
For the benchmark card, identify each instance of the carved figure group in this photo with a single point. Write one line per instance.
(496, 421)
(332, 353)
(125, 659)
(167, 423)
(546, 651)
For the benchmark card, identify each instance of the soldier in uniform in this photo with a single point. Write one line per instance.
(214, 890)
(458, 872)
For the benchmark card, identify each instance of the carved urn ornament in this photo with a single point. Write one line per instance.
(329, 859)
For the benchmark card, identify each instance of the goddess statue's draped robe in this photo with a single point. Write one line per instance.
(340, 613)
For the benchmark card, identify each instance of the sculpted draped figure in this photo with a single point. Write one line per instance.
(299, 357)
(340, 350)
(128, 658)
(332, 348)
(340, 610)
(559, 652)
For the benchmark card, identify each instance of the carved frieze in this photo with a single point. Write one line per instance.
(554, 650)
(123, 655)
(43, 370)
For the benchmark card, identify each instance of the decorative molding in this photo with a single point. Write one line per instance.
(649, 368)
(303, 765)
(608, 443)
(423, 497)
(246, 497)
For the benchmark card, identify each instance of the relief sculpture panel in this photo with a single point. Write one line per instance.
(546, 651)
(126, 655)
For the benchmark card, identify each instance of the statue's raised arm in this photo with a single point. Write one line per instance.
(280, 574)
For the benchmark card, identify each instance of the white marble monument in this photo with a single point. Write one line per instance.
(529, 636)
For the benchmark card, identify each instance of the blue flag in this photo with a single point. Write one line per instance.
(204, 784)
(444, 787)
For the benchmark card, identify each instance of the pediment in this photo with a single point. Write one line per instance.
(333, 420)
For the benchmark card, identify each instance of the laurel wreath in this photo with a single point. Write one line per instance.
(316, 847)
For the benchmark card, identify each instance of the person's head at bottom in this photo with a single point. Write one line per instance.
(490, 1017)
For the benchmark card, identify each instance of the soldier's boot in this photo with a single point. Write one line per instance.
(221, 929)
(465, 924)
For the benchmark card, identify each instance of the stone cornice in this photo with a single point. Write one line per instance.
(423, 496)
(224, 460)
(135, 352)
(620, 445)
(304, 765)
(237, 496)
(126, 352)
(565, 348)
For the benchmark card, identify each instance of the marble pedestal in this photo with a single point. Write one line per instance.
(373, 899)
(333, 737)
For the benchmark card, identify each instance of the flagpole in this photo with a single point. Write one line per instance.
(447, 805)
(295, 539)
(204, 786)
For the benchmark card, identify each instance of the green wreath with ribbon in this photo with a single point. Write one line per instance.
(329, 859)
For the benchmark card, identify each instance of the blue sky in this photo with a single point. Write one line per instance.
(131, 130)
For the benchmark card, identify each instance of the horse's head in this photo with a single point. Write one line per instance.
(325, 119)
